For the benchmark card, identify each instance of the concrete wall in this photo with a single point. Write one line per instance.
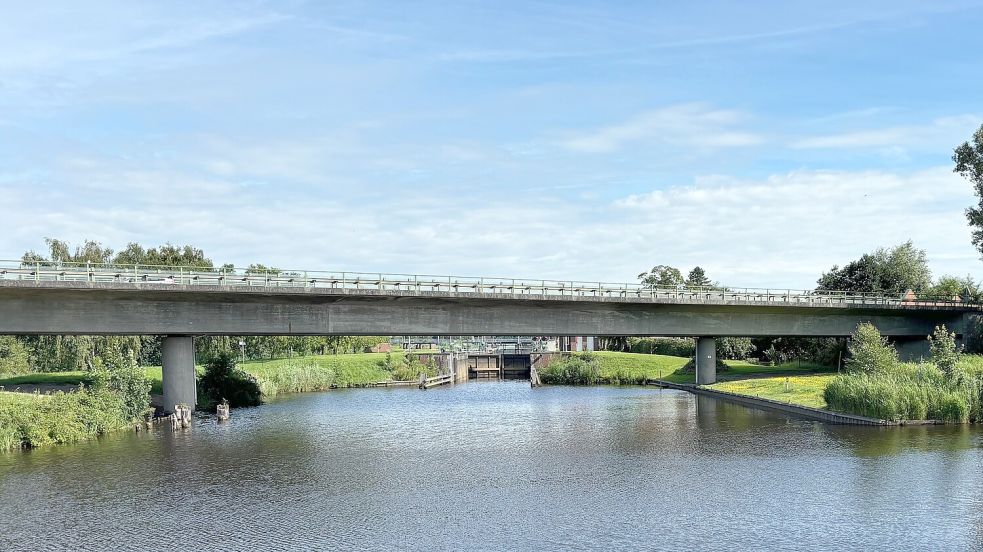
(913, 350)
(189, 310)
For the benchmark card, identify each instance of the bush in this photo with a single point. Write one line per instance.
(121, 375)
(575, 369)
(869, 352)
(13, 356)
(670, 346)
(39, 420)
(224, 380)
(945, 353)
(734, 348)
(295, 378)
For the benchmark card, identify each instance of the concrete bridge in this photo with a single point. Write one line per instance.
(48, 298)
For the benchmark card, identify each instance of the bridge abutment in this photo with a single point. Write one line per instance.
(706, 360)
(178, 371)
(913, 349)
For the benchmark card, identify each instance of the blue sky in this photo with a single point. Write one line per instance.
(584, 140)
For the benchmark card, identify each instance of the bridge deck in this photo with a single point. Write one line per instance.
(171, 279)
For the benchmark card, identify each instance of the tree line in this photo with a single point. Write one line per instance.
(60, 353)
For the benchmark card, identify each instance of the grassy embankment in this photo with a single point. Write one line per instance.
(606, 367)
(808, 390)
(38, 420)
(289, 375)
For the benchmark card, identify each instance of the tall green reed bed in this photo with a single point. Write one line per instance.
(320, 373)
(907, 392)
(876, 384)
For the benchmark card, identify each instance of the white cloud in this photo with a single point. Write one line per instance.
(944, 130)
(781, 231)
(796, 225)
(683, 125)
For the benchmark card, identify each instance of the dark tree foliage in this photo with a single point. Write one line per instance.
(164, 255)
(894, 271)
(224, 380)
(662, 276)
(968, 158)
(698, 278)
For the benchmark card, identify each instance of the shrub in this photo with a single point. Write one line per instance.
(295, 378)
(734, 348)
(670, 346)
(120, 374)
(945, 353)
(224, 380)
(39, 420)
(869, 352)
(575, 369)
(410, 370)
(13, 356)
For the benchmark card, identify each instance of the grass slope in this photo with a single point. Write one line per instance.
(805, 390)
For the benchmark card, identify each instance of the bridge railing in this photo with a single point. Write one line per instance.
(45, 271)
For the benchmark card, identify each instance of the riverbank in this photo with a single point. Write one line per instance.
(617, 368)
(286, 375)
(35, 420)
(39, 409)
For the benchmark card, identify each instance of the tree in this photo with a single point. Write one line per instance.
(224, 380)
(892, 271)
(697, 278)
(968, 158)
(117, 371)
(164, 255)
(61, 252)
(662, 276)
(945, 353)
(262, 269)
(869, 352)
(13, 356)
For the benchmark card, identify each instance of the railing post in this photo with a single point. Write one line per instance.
(37, 270)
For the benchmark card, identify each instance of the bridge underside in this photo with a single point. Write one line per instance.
(34, 310)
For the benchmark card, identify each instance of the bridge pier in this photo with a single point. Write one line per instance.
(913, 349)
(706, 360)
(178, 371)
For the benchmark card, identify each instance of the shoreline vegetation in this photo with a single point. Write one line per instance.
(874, 383)
(82, 405)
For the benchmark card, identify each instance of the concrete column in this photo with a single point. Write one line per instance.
(706, 360)
(178, 360)
(913, 349)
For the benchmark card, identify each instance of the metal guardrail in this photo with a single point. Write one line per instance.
(46, 271)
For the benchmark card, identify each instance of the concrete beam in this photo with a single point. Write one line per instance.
(178, 360)
(706, 360)
(185, 310)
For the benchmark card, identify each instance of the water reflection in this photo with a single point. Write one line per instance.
(497, 465)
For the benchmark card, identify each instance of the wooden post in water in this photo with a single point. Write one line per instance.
(182, 415)
(222, 411)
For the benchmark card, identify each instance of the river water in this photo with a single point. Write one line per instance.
(500, 466)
